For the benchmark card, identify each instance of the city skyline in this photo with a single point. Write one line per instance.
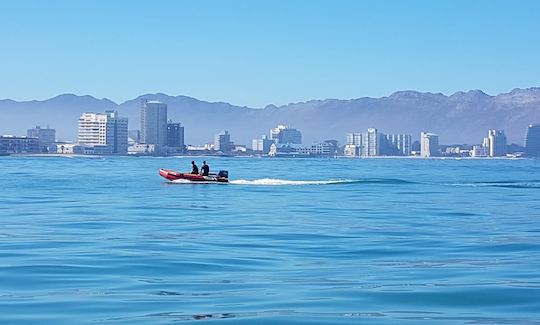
(107, 133)
(269, 53)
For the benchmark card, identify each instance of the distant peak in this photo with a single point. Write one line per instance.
(405, 94)
(413, 94)
(270, 106)
(475, 93)
(525, 90)
(73, 97)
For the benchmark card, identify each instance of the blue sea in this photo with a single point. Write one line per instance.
(288, 241)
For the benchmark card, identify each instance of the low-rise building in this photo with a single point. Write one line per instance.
(14, 144)
(352, 150)
(69, 148)
(47, 137)
(144, 149)
(479, 151)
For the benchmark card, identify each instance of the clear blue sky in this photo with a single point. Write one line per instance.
(260, 52)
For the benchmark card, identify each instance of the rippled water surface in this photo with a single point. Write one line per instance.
(379, 241)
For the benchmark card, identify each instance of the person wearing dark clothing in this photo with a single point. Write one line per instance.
(194, 168)
(205, 170)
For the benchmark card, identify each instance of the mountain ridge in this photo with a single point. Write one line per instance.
(462, 117)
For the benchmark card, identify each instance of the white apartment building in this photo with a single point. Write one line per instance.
(107, 132)
(371, 143)
(429, 144)
(496, 142)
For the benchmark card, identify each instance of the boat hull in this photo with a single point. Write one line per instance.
(172, 175)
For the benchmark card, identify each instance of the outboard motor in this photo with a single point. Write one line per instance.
(223, 173)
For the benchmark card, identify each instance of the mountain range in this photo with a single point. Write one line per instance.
(463, 117)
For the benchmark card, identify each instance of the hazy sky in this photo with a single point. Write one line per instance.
(260, 52)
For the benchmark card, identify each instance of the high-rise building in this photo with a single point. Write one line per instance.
(371, 143)
(47, 137)
(154, 122)
(532, 141)
(106, 132)
(415, 147)
(262, 145)
(283, 134)
(497, 143)
(400, 144)
(175, 135)
(354, 138)
(353, 144)
(429, 144)
(222, 142)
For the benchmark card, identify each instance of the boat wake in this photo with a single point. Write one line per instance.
(534, 184)
(281, 182)
(286, 182)
(186, 181)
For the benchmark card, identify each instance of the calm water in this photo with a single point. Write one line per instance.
(379, 241)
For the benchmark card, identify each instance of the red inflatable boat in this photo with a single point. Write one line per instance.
(221, 177)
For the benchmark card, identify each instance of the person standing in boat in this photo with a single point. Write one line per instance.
(194, 168)
(205, 170)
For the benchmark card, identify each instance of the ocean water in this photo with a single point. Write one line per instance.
(289, 241)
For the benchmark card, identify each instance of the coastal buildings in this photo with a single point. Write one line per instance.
(143, 149)
(371, 143)
(262, 145)
(327, 148)
(175, 137)
(496, 143)
(400, 144)
(154, 123)
(354, 138)
(105, 132)
(479, 151)
(429, 145)
(283, 134)
(353, 144)
(222, 142)
(13, 144)
(532, 141)
(98, 131)
(351, 150)
(46, 137)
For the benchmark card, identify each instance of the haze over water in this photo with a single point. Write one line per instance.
(385, 241)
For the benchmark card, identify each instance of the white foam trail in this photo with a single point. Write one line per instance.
(280, 182)
(180, 181)
(185, 181)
